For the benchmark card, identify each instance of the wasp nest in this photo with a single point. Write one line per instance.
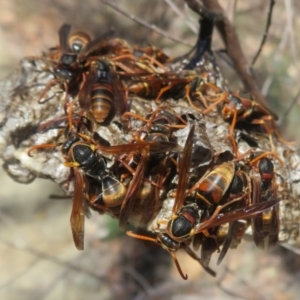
(158, 143)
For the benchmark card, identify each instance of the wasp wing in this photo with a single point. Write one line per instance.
(96, 44)
(139, 147)
(240, 213)
(63, 33)
(78, 209)
(133, 190)
(184, 167)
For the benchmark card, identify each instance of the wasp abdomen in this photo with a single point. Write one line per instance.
(113, 191)
(101, 102)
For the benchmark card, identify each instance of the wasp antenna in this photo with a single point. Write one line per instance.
(140, 237)
(36, 147)
(184, 277)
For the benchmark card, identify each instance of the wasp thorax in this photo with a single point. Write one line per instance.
(68, 144)
(266, 169)
(82, 153)
(181, 226)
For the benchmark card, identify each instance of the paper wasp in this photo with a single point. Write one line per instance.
(237, 108)
(74, 52)
(223, 185)
(66, 67)
(85, 157)
(151, 55)
(185, 222)
(166, 85)
(265, 226)
(102, 92)
(161, 123)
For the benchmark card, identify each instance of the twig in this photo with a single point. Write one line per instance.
(292, 248)
(20, 274)
(289, 21)
(53, 283)
(53, 259)
(202, 10)
(139, 279)
(272, 2)
(231, 10)
(233, 293)
(182, 16)
(144, 23)
(278, 51)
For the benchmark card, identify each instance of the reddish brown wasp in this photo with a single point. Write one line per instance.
(238, 108)
(144, 174)
(222, 184)
(221, 187)
(130, 66)
(69, 45)
(185, 221)
(151, 52)
(151, 56)
(72, 54)
(187, 85)
(127, 62)
(141, 188)
(164, 239)
(134, 189)
(85, 157)
(158, 86)
(104, 45)
(102, 92)
(160, 124)
(265, 226)
(66, 69)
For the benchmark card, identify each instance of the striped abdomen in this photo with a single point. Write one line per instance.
(101, 100)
